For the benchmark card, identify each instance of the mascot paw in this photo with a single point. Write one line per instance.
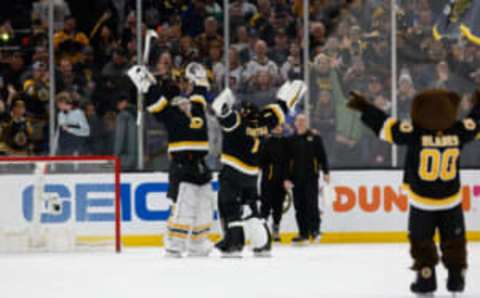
(357, 102)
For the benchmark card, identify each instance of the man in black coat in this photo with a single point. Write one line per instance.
(273, 161)
(307, 157)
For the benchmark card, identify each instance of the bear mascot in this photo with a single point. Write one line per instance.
(434, 138)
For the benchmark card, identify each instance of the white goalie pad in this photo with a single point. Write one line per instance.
(256, 232)
(223, 103)
(141, 77)
(291, 92)
(191, 220)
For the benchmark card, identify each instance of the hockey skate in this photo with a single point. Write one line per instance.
(229, 251)
(426, 282)
(456, 281)
(299, 240)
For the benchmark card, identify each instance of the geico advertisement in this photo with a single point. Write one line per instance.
(358, 201)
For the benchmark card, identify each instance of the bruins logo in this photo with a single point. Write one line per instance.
(20, 139)
(426, 272)
(406, 127)
(469, 124)
(196, 123)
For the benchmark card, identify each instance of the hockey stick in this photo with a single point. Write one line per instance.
(151, 34)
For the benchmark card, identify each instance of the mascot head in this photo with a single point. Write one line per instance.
(435, 109)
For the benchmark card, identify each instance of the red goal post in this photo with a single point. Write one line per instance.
(11, 161)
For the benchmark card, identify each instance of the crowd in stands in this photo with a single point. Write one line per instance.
(95, 43)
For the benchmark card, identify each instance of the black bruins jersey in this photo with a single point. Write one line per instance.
(185, 134)
(241, 142)
(17, 135)
(432, 177)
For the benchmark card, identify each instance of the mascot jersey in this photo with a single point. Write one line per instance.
(432, 178)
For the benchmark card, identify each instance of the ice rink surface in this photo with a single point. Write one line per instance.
(328, 271)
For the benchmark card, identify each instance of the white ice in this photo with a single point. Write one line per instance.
(328, 271)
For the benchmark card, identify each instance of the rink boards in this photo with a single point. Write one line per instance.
(359, 206)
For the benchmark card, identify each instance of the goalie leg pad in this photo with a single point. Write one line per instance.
(181, 221)
(203, 221)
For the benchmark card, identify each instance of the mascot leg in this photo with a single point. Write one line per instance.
(423, 250)
(454, 247)
(181, 220)
(199, 244)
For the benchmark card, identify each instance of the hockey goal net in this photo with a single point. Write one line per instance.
(62, 203)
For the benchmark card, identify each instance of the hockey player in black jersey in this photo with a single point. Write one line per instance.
(242, 130)
(189, 177)
(434, 139)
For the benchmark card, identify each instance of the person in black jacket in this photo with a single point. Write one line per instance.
(273, 162)
(306, 157)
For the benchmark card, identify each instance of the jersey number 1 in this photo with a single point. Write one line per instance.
(434, 164)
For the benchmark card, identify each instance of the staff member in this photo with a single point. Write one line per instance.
(273, 161)
(306, 157)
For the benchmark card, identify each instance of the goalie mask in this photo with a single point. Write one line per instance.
(197, 75)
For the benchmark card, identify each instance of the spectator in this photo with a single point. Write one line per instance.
(406, 92)
(323, 118)
(279, 53)
(68, 79)
(69, 42)
(118, 66)
(194, 18)
(94, 140)
(246, 8)
(293, 67)
(17, 132)
(12, 75)
(36, 90)
(125, 146)
(261, 91)
(261, 62)
(209, 37)
(73, 129)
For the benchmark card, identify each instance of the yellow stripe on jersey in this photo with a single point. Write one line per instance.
(199, 99)
(432, 203)
(188, 146)
(386, 133)
(478, 136)
(239, 165)
(278, 112)
(159, 106)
